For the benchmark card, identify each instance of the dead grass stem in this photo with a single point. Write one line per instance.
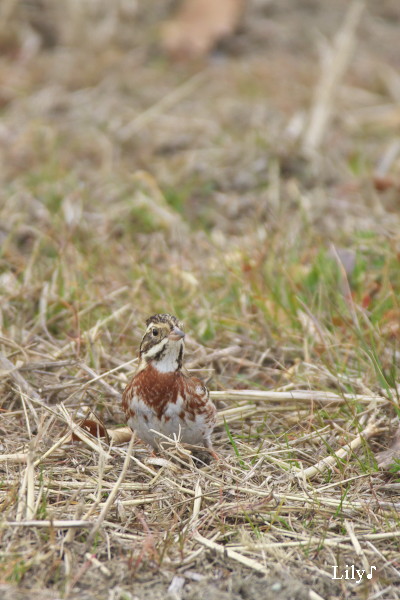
(131, 186)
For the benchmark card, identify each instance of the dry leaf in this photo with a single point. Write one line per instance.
(121, 435)
(381, 183)
(93, 425)
(199, 25)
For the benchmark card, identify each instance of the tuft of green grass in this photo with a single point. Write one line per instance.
(234, 446)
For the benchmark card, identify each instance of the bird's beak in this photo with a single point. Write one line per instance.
(176, 334)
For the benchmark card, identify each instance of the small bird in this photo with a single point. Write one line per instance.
(162, 396)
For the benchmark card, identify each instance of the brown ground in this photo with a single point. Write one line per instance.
(117, 164)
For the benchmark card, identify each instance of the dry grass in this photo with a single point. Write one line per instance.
(130, 186)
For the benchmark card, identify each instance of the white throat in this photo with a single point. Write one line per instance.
(170, 356)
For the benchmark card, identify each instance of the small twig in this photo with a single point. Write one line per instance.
(314, 596)
(168, 101)
(57, 523)
(308, 396)
(346, 285)
(70, 535)
(80, 432)
(91, 333)
(216, 355)
(43, 302)
(54, 447)
(356, 544)
(329, 461)
(100, 378)
(196, 504)
(8, 367)
(113, 493)
(23, 402)
(386, 562)
(91, 558)
(18, 457)
(21, 506)
(248, 562)
(333, 69)
(224, 551)
(138, 501)
(30, 487)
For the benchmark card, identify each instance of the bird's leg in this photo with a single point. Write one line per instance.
(214, 454)
(209, 447)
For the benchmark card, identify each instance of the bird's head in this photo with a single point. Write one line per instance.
(162, 343)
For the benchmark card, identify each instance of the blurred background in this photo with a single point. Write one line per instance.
(236, 164)
(221, 165)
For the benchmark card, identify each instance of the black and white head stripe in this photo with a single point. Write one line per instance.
(164, 318)
(162, 344)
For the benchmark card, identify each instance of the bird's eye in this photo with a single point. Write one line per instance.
(155, 332)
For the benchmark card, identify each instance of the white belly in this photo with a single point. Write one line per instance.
(148, 425)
